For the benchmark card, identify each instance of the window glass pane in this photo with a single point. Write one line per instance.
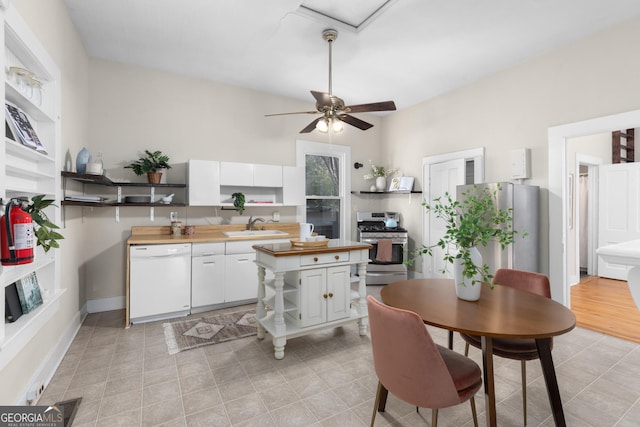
(324, 214)
(322, 176)
(323, 180)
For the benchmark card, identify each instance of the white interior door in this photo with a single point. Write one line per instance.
(619, 194)
(443, 178)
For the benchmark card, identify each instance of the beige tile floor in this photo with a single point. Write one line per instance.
(126, 378)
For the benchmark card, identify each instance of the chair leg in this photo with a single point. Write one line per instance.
(380, 402)
(466, 349)
(474, 414)
(523, 368)
(434, 417)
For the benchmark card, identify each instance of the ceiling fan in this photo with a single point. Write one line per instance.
(332, 109)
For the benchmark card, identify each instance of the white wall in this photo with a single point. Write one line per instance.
(514, 109)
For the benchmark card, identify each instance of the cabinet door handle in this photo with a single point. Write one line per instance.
(208, 262)
(324, 296)
(337, 257)
(315, 259)
(330, 294)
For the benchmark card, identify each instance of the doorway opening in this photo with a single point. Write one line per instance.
(559, 190)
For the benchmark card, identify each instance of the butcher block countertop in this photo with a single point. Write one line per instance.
(285, 249)
(209, 233)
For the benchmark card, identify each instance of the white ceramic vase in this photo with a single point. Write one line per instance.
(381, 183)
(464, 288)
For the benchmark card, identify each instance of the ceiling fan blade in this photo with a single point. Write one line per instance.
(322, 98)
(297, 112)
(375, 106)
(354, 121)
(311, 126)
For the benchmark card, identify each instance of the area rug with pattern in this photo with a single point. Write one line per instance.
(193, 333)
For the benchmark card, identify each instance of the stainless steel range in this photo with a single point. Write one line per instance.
(389, 245)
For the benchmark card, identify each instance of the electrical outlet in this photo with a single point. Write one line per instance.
(34, 394)
(173, 216)
(275, 216)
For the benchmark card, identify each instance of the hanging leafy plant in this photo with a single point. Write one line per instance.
(45, 232)
(238, 202)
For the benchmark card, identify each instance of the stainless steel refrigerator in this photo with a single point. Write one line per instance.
(523, 254)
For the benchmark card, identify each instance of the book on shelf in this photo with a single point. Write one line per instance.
(21, 127)
(401, 183)
(12, 307)
(29, 292)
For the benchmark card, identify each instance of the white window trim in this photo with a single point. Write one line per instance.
(344, 154)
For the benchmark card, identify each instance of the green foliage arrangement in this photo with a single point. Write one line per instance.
(44, 230)
(238, 202)
(472, 222)
(152, 162)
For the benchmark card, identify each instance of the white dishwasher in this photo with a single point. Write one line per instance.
(159, 281)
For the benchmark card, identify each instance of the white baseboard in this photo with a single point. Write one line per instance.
(105, 304)
(44, 373)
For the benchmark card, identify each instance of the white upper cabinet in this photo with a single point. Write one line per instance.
(204, 182)
(239, 174)
(267, 176)
(293, 186)
(250, 175)
(212, 183)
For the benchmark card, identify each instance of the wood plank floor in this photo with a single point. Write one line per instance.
(606, 305)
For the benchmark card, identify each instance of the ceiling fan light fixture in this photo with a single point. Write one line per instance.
(334, 112)
(336, 126)
(322, 126)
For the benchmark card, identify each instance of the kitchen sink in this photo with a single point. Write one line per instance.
(243, 233)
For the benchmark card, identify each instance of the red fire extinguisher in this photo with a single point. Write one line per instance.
(16, 235)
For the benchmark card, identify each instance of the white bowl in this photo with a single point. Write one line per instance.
(167, 200)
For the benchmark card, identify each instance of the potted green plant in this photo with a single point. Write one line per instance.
(152, 164)
(238, 202)
(44, 230)
(473, 221)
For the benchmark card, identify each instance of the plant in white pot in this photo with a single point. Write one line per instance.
(473, 221)
(379, 174)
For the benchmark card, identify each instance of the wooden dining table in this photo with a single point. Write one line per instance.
(501, 312)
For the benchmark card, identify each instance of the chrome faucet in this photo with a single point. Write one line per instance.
(252, 222)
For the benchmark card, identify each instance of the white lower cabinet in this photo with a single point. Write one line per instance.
(241, 271)
(323, 295)
(207, 274)
(241, 277)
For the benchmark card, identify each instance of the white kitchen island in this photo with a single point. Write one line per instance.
(626, 253)
(311, 289)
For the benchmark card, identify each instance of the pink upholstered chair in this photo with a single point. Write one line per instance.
(516, 349)
(415, 369)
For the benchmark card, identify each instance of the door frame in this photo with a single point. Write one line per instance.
(475, 154)
(592, 163)
(558, 230)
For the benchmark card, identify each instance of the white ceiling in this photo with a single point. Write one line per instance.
(412, 51)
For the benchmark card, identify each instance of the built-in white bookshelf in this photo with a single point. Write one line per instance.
(25, 172)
